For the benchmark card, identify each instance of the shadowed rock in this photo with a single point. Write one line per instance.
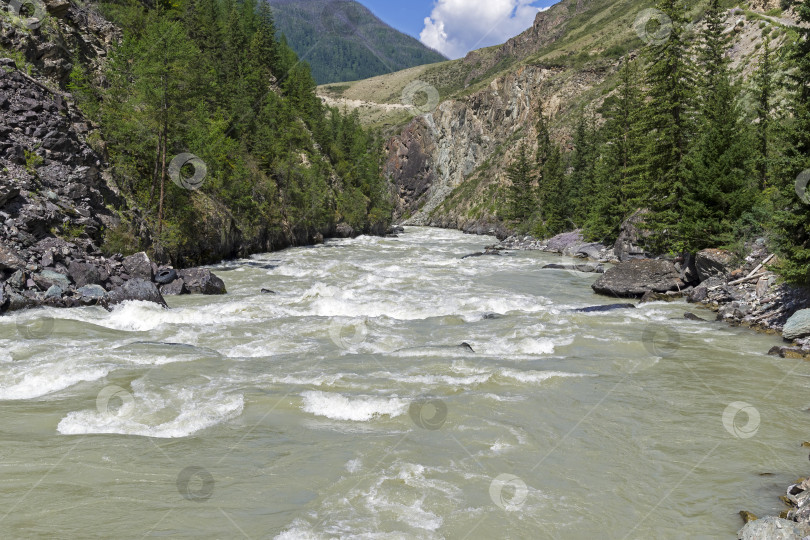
(202, 281)
(136, 289)
(602, 309)
(692, 317)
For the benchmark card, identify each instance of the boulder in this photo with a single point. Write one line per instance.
(54, 292)
(587, 268)
(602, 309)
(84, 274)
(136, 289)
(713, 263)
(175, 288)
(92, 292)
(631, 279)
(201, 281)
(7, 193)
(798, 326)
(773, 528)
(344, 230)
(568, 243)
(632, 237)
(591, 250)
(10, 259)
(138, 266)
(48, 278)
(692, 317)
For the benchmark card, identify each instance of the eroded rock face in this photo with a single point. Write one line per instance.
(632, 237)
(632, 279)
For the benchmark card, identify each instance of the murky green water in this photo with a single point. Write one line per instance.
(342, 407)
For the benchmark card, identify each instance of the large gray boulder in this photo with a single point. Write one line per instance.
(138, 266)
(84, 274)
(798, 326)
(631, 279)
(48, 278)
(713, 263)
(773, 528)
(201, 281)
(136, 289)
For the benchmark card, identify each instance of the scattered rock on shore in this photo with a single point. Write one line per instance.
(798, 326)
(773, 528)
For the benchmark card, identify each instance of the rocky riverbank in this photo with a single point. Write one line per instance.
(743, 291)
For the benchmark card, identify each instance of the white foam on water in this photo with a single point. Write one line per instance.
(533, 377)
(354, 465)
(37, 381)
(357, 409)
(172, 412)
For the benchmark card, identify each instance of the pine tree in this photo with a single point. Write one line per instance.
(521, 189)
(619, 187)
(718, 192)
(763, 80)
(792, 221)
(552, 194)
(580, 184)
(669, 121)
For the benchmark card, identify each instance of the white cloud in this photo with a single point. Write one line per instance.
(456, 27)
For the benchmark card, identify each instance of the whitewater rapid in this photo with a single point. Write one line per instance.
(343, 404)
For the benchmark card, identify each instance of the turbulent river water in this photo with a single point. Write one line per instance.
(343, 406)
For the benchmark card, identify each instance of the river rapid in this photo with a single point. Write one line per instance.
(343, 406)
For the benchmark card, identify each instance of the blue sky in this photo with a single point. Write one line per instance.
(455, 27)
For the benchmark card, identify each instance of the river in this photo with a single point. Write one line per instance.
(343, 406)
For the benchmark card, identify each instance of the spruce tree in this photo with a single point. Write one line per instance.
(792, 221)
(718, 191)
(521, 190)
(552, 194)
(763, 80)
(619, 187)
(668, 117)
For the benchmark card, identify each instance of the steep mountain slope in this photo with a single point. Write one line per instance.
(344, 41)
(449, 160)
(266, 184)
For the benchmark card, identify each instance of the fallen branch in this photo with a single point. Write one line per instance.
(763, 263)
(748, 278)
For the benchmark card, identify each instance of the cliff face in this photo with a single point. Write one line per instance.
(440, 151)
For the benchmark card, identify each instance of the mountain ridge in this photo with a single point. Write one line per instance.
(344, 41)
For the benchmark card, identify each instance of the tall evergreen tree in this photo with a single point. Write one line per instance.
(763, 80)
(792, 221)
(521, 189)
(670, 79)
(619, 171)
(551, 181)
(718, 192)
